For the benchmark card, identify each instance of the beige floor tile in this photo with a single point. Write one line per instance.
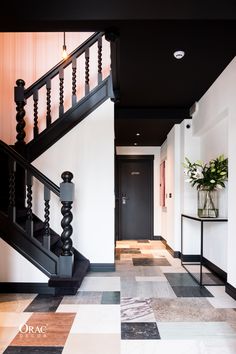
(7, 334)
(15, 302)
(92, 344)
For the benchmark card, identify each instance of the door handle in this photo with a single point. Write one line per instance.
(124, 199)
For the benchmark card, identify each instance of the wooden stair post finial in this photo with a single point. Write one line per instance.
(20, 103)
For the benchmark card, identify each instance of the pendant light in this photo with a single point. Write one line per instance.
(64, 51)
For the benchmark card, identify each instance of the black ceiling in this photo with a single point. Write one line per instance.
(156, 90)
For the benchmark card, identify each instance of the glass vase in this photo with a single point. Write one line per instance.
(208, 203)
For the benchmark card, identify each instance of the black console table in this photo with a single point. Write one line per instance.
(200, 263)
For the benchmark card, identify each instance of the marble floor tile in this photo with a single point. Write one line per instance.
(154, 279)
(100, 284)
(56, 329)
(139, 330)
(110, 297)
(94, 318)
(222, 302)
(92, 344)
(7, 334)
(33, 350)
(172, 269)
(44, 303)
(180, 279)
(83, 297)
(15, 302)
(220, 346)
(162, 347)
(132, 288)
(188, 310)
(218, 291)
(196, 330)
(191, 291)
(136, 310)
(150, 262)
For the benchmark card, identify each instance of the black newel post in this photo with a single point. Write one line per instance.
(20, 103)
(66, 197)
(112, 36)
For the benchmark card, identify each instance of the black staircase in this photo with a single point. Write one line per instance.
(53, 254)
(32, 237)
(66, 119)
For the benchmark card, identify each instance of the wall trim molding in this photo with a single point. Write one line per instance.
(175, 254)
(190, 257)
(102, 267)
(215, 269)
(230, 290)
(158, 238)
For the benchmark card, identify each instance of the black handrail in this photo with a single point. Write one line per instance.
(27, 166)
(63, 63)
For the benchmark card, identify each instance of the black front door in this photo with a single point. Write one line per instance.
(135, 197)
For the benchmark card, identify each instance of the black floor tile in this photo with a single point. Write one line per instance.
(110, 297)
(139, 330)
(150, 262)
(44, 303)
(191, 291)
(33, 350)
(180, 279)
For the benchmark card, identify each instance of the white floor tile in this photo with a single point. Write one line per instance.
(222, 302)
(94, 318)
(100, 284)
(196, 330)
(161, 347)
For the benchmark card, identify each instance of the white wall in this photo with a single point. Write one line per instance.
(30, 55)
(88, 152)
(214, 123)
(149, 150)
(15, 268)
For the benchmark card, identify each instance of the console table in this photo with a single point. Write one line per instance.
(200, 263)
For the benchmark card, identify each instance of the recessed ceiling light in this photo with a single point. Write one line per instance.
(135, 144)
(179, 54)
(137, 134)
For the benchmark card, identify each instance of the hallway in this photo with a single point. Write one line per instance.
(150, 302)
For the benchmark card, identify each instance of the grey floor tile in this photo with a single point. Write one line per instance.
(139, 330)
(180, 279)
(110, 297)
(191, 291)
(44, 303)
(83, 297)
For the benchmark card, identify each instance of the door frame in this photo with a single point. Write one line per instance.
(119, 158)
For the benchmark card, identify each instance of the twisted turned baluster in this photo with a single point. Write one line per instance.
(99, 60)
(20, 103)
(86, 71)
(46, 236)
(74, 97)
(29, 214)
(35, 98)
(48, 115)
(12, 190)
(61, 92)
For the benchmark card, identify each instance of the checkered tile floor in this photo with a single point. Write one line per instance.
(149, 305)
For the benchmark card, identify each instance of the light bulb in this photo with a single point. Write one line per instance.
(64, 52)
